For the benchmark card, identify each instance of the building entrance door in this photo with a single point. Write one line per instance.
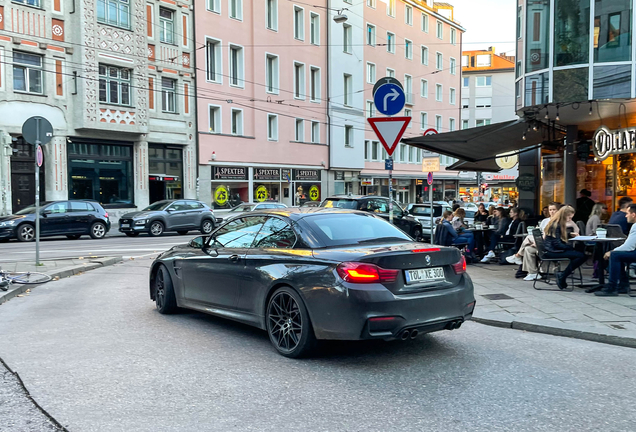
(23, 176)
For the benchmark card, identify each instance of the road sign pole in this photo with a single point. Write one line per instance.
(430, 199)
(37, 193)
(391, 191)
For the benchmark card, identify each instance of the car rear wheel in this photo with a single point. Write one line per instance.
(98, 230)
(182, 232)
(165, 300)
(26, 233)
(288, 324)
(156, 229)
(132, 234)
(207, 226)
(73, 236)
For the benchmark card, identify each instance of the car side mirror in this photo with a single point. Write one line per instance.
(198, 242)
(46, 212)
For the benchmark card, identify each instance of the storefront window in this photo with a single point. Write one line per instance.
(307, 191)
(552, 183)
(625, 176)
(612, 82)
(572, 32)
(537, 89)
(612, 30)
(226, 195)
(597, 177)
(165, 166)
(101, 172)
(571, 85)
(537, 34)
(450, 190)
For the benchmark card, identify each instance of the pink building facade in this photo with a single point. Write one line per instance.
(261, 100)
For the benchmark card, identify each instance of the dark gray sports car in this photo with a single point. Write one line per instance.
(312, 273)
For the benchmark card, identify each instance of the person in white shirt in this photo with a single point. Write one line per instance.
(618, 282)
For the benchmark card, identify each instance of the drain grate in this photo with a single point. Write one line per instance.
(497, 297)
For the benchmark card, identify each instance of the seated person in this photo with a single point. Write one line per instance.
(557, 246)
(456, 237)
(599, 212)
(502, 229)
(618, 258)
(619, 216)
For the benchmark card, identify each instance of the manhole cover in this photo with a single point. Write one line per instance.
(497, 297)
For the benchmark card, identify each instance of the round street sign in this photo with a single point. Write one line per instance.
(30, 130)
(39, 156)
(220, 195)
(386, 80)
(429, 178)
(314, 193)
(389, 99)
(430, 131)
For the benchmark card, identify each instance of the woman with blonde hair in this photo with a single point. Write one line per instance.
(599, 212)
(557, 246)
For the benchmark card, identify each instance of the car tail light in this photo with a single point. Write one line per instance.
(460, 267)
(106, 214)
(426, 250)
(365, 273)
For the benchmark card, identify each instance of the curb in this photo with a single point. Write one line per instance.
(607, 336)
(63, 273)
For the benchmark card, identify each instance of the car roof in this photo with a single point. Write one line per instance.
(354, 197)
(296, 213)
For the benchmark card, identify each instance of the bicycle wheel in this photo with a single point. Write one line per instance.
(28, 278)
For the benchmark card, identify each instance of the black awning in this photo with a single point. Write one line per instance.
(480, 143)
(488, 165)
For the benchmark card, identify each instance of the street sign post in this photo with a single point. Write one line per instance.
(429, 180)
(389, 99)
(37, 131)
(388, 164)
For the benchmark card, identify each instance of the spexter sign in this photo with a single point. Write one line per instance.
(608, 142)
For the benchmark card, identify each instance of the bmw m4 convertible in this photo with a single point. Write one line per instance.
(304, 274)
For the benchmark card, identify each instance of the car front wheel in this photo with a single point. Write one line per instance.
(164, 291)
(156, 229)
(417, 234)
(26, 233)
(288, 324)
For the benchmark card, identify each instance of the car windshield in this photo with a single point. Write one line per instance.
(470, 213)
(26, 210)
(243, 208)
(159, 205)
(339, 203)
(336, 229)
(426, 211)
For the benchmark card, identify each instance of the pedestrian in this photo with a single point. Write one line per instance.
(618, 258)
(557, 246)
(619, 216)
(584, 205)
(599, 212)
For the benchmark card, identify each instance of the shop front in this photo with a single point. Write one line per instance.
(230, 186)
(307, 185)
(346, 182)
(165, 167)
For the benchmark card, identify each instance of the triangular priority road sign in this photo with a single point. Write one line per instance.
(389, 130)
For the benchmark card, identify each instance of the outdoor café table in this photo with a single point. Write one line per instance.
(604, 243)
(480, 238)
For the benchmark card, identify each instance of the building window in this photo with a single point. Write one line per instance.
(538, 32)
(408, 89)
(439, 61)
(299, 134)
(390, 42)
(451, 96)
(214, 61)
(214, 6)
(464, 61)
(371, 3)
(465, 82)
(348, 89)
(114, 85)
(408, 15)
(483, 81)
(35, 3)
(424, 22)
(347, 38)
(424, 89)
(370, 34)
(27, 73)
(237, 122)
(464, 124)
(390, 8)
(453, 66)
(348, 136)
(299, 23)
(375, 150)
(438, 123)
(465, 103)
(166, 25)
(424, 52)
(370, 111)
(453, 36)
(214, 119)
(168, 95)
(236, 66)
(483, 60)
(440, 30)
(236, 9)
(438, 92)
(314, 28)
(370, 73)
(451, 124)
(402, 152)
(299, 81)
(482, 122)
(367, 150)
(423, 121)
(271, 74)
(408, 49)
(408, 113)
(314, 84)
(271, 14)
(113, 12)
(315, 132)
(483, 102)
(390, 72)
(612, 30)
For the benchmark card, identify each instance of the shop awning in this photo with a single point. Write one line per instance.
(482, 166)
(480, 143)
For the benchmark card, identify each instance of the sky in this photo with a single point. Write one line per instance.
(489, 21)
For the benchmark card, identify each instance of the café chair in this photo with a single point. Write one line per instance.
(548, 267)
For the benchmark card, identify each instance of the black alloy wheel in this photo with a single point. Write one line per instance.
(26, 233)
(98, 230)
(132, 234)
(73, 236)
(156, 229)
(164, 291)
(288, 324)
(182, 232)
(207, 226)
(417, 234)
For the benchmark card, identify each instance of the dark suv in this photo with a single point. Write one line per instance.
(379, 206)
(70, 218)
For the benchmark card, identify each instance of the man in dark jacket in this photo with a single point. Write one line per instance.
(584, 206)
(619, 217)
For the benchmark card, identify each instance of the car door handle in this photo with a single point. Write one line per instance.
(234, 258)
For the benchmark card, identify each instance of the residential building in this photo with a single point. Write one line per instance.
(115, 81)
(261, 101)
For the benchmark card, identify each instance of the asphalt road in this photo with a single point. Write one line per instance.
(96, 355)
(111, 245)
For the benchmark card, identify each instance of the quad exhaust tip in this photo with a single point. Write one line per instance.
(455, 324)
(414, 334)
(405, 335)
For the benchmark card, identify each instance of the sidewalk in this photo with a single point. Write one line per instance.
(505, 301)
(55, 268)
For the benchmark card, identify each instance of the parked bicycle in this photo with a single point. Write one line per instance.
(29, 278)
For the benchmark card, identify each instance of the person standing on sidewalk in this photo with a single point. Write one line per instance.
(618, 282)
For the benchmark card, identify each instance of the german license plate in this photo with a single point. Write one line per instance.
(125, 225)
(425, 275)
